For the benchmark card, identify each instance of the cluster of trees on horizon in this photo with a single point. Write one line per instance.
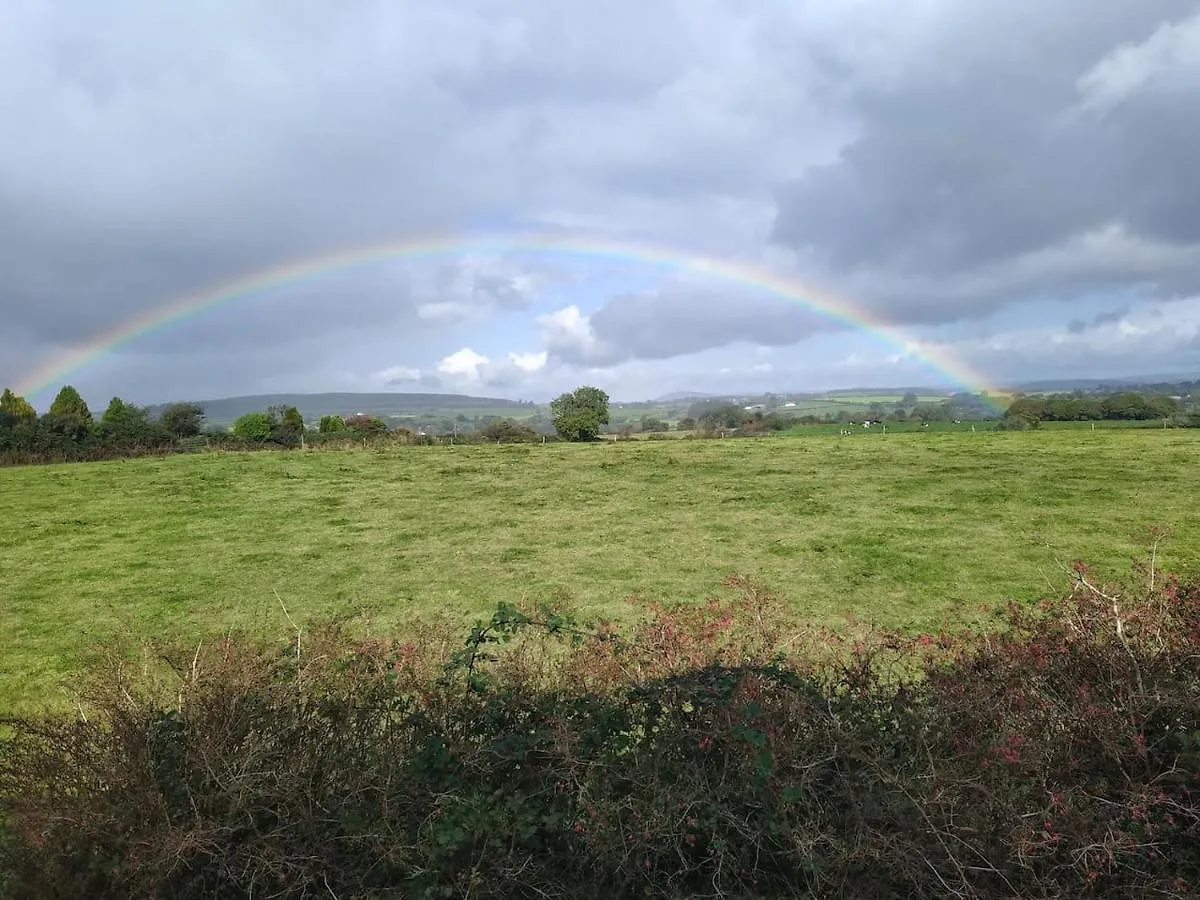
(1081, 407)
(69, 431)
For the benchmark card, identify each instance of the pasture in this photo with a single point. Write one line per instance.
(913, 425)
(907, 529)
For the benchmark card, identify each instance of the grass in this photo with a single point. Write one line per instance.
(834, 428)
(908, 529)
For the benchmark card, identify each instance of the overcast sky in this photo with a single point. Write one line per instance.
(1013, 185)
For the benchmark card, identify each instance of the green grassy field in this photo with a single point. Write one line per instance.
(907, 529)
(913, 426)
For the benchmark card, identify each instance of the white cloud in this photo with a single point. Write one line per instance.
(568, 333)
(1173, 48)
(464, 364)
(397, 374)
(529, 362)
(444, 312)
(471, 369)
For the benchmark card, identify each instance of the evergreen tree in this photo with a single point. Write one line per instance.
(125, 423)
(68, 406)
(69, 415)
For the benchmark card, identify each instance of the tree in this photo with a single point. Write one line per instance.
(182, 419)
(125, 423)
(69, 406)
(579, 416)
(722, 418)
(1161, 407)
(687, 423)
(16, 406)
(365, 424)
(331, 424)
(69, 415)
(253, 426)
(286, 424)
(653, 423)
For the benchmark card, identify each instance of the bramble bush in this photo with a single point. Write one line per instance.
(708, 750)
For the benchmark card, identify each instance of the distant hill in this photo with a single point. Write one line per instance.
(1145, 382)
(678, 396)
(223, 411)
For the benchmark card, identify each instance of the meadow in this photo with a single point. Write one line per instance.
(966, 425)
(907, 530)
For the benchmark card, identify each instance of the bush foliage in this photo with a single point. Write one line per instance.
(708, 751)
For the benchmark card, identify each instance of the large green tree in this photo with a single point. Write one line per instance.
(579, 415)
(69, 414)
(69, 405)
(16, 406)
(125, 423)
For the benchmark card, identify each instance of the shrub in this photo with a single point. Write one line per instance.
(331, 424)
(507, 431)
(184, 420)
(253, 426)
(365, 424)
(709, 750)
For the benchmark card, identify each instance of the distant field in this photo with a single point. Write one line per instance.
(907, 529)
(959, 427)
(868, 398)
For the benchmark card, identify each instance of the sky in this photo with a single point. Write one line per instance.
(1011, 188)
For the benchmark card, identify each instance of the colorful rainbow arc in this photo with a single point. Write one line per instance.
(939, 361)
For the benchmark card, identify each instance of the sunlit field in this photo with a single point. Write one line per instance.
(907, 529)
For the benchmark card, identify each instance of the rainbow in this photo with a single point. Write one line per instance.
(57, 370)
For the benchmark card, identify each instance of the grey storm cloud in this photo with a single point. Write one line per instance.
(1001, 134)
(934, 162)
(674, 322)
(164, 148)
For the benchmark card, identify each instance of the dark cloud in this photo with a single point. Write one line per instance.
(988, 150)
(935, 164)
(416, 379)
(673, 322)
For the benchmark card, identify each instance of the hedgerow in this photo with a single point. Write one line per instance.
(710, 750)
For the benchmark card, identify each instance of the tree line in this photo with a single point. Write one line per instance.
(1079, 407)
(68, 430)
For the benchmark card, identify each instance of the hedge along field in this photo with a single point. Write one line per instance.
(906, 530)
